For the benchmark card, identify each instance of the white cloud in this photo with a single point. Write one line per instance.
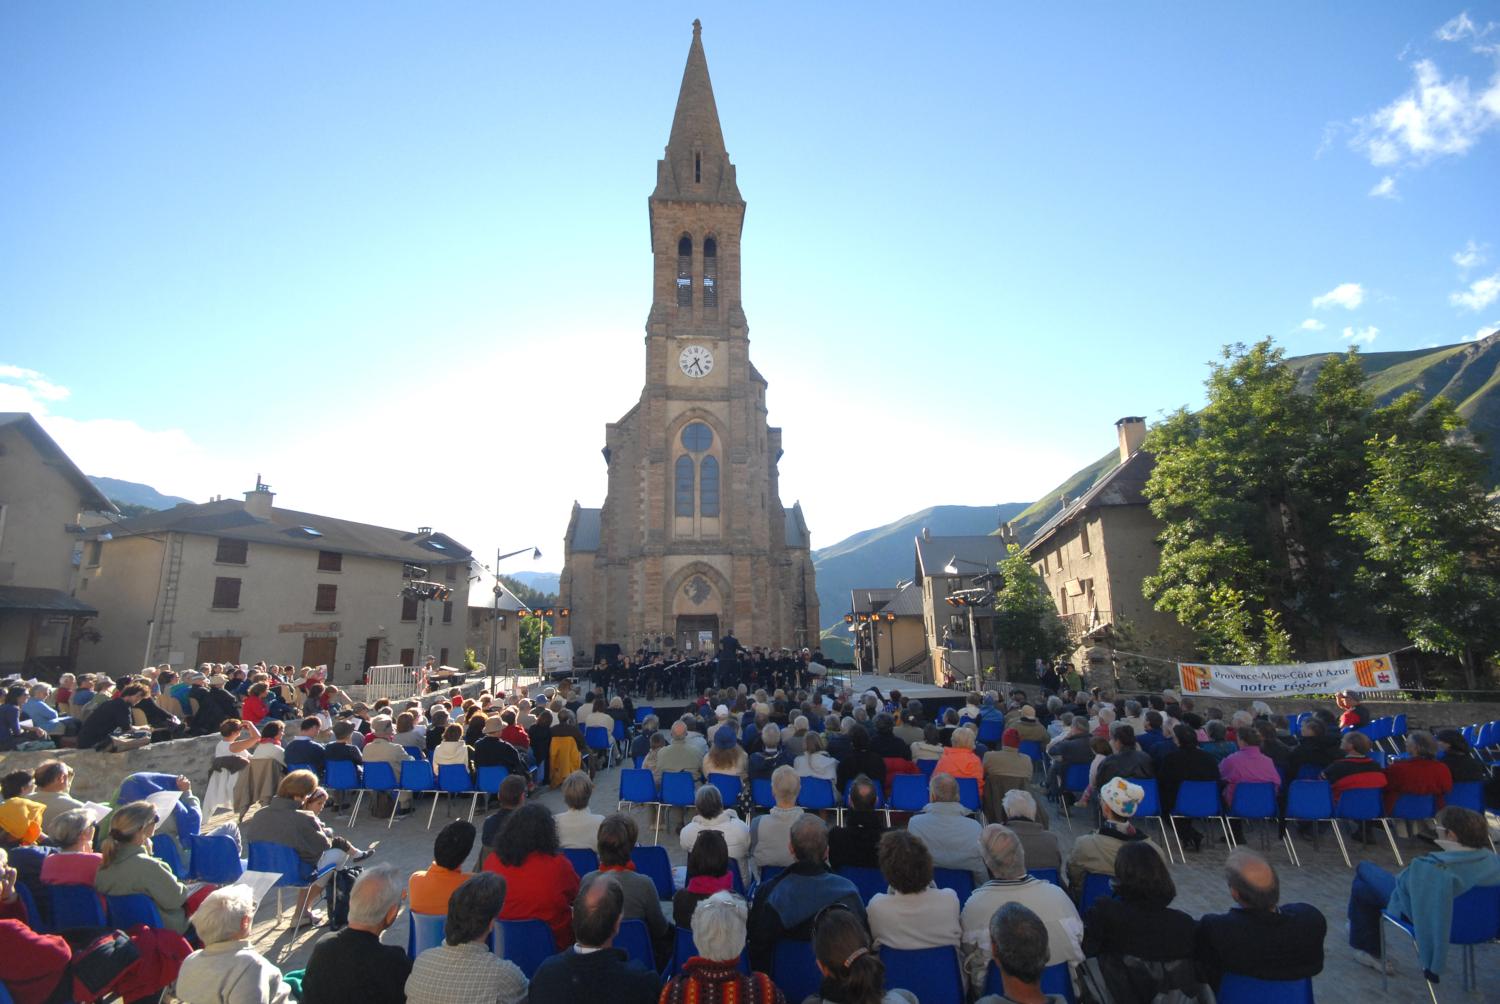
(1480, 294)
(1437, 117)
(30, 385)
(1484, 332)
(1347, 295)
(1312, 324)
(1471, 256)
(1385, 188)
(1457, 28)
(1359, 336)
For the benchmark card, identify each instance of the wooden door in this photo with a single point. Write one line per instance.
(372, 653)
(319, 652)
(218, 650)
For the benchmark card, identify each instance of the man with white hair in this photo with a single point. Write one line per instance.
(1043, 849)
(948, 830)
(353, 967)
(769, 834)
(226, 970)
(713, 973)
(680, 754)
(1006, 861)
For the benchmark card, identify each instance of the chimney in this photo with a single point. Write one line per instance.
(258, 501)
(423, 531)
(1132, 431)
(926, 534)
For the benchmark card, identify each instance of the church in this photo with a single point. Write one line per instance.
(692, 541)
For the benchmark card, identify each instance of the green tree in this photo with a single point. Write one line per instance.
(1248, 489)
(527, 595)
(1426, 528)
(1027, 626)
(534, 631)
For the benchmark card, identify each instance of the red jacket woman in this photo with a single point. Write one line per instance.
(540, 883)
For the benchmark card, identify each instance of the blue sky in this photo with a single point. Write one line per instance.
(395, 257)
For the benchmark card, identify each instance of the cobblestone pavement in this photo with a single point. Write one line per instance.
(1323, 881)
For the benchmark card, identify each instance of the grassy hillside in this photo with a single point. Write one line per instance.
(134, 494)
(884, 556)
(1031, 519)
(1467, 374)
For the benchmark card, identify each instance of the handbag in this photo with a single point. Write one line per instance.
(125, 740)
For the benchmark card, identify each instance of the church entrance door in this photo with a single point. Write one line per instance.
(698, 633)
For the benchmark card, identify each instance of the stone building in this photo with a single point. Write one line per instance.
(947, 627)
(43, 496)
(888, 635)
(1095, 553)
(692, 540)
(232, 581)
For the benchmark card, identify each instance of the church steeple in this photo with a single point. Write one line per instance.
(696, 166)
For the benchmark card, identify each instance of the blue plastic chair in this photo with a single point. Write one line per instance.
(767, 873)
(1412, 808)
(489, 778)
(908, 793)
(304, 766)
(342, 775)
(129, 909)
(989, 734)
(677, 790)
(377, 777)
(598, 740)
(416, 752)
(1198, 800)
(1150, 808)
(582, 859)
(729, 786)
(527, 943)
(925, 768)
(635, 940)
(214, 858)
(1075, 782)
(795, 970)
(1046, 875)
(1310, 802)
(295, 873)
(424, 931)
(869, 881)
(761, 793)
(453, 779)
(1252, 800)
(165, 848)
(739, 880)
(34, 918)
(643, 712)
(1237, 989)
(75, 906)
(1095, 886)
(968, 793)
(816, 794)
(638, 787)
(1056, 980)
(5, 997)
(957, 879)
(930, 973)
(1476, 920)
(416, 776)
(653, 862)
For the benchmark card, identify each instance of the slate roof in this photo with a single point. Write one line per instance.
(864, 601)
(977, 554)
(289, 528)
(903, 601)
(583, 530)
(31, 599)
(1125, 485)
(88, 493)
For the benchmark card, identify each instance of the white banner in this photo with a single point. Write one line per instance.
(1370, 672)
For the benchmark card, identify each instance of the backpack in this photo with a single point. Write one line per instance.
(100, 959)
(1126, 979)
(339, 888)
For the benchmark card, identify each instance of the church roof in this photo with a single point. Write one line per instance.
(696, 165)
(583, 531)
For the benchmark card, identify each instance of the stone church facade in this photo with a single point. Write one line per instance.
(692, 540)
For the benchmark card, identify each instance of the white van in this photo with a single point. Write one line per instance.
(557, 655)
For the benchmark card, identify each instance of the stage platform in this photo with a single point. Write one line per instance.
(934, 699)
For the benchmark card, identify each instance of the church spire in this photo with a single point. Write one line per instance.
(696, 165)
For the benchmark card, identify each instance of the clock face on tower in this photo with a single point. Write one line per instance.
(696, 361)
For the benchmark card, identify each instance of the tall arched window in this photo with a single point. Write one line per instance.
(708, 487)
(684, 493)
(685, 271)
(710, 272)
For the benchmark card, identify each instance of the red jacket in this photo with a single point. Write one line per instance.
(1417, 776)
(254, 710)
(34, 963)
(542, 887)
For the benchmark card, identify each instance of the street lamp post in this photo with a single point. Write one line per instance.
(536, 554)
